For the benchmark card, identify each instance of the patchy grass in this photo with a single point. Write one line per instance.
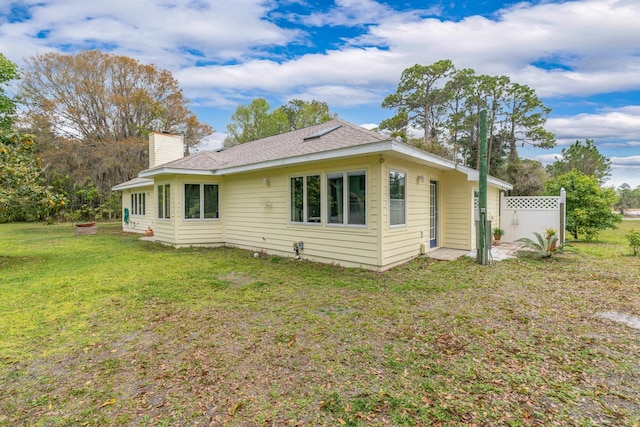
(107, 329)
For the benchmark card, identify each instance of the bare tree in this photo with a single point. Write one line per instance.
(93, 112)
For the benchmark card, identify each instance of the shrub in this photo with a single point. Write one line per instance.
(634, 241)
(544, 247)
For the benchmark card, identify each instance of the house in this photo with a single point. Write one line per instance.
(333, 192)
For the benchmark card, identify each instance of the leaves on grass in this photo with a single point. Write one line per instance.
(424, 344)
(235, 408)
(111, 401)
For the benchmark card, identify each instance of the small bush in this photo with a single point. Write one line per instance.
(634, 241)
(544, 247)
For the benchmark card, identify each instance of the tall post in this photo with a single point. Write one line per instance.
(482, 256)
(563, 215)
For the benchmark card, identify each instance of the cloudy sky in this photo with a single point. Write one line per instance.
(581, 57)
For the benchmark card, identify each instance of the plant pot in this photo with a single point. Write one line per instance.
(148, 232)
(85, 228)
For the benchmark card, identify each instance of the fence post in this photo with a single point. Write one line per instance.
(563, 214)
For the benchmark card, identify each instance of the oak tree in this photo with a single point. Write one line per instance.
(8, 72)
(588, 204)
(257, 120)
(92, 113)
(24, 195)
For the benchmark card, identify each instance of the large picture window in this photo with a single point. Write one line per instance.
(164, 201)
(138, 204)
(305, 199)
(201, 201)
(347, 198)
(397, 198)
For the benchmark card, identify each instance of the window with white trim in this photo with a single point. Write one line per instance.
(201, 201)
(347, 198)
(138, 204)
(164, 201)
(397, 198)
(305, 200)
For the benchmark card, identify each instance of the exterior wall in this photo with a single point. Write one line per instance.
(254, 214)
(456, 211)
(164, 148)
(179, 231)
(139, 223)
(165, 229)
(257, 216)
(401, 243)
(197, 232)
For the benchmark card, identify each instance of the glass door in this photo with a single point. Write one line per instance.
(433, 214)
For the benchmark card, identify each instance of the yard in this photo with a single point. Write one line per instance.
(109, 330)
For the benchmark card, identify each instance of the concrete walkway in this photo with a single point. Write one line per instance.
(498, 253)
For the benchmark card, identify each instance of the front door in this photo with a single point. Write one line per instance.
(433, 214)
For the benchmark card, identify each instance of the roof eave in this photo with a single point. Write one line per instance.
(474, 175)
(125, 186)
(149, 173)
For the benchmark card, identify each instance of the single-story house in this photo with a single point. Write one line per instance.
(333, 192)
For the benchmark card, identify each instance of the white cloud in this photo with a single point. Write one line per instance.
(339, 77)
(611, 125)
(547, 159)
(593, 42)
(626, 161)
(170, 36)
(229, 51)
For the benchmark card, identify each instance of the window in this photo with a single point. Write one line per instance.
(347, 197)
(201, 201)
(164, 201)
(305, 199)
(138, 204)
(397, 198)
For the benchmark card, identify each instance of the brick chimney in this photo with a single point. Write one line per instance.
(164, 148)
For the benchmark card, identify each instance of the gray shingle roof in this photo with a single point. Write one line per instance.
(335, 137)
(326, 136)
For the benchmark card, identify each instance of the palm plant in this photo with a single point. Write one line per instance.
(545, 247)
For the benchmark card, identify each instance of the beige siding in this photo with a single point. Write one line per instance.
(196, 232)
(139, 223)
(456, 195)
(493, 206)
(165, 229)
(401, 243)
(254, 214)
(257, 216)
(164, 148)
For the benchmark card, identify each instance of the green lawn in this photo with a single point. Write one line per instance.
(110, 330)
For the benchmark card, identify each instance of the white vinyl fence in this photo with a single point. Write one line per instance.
(522, 216)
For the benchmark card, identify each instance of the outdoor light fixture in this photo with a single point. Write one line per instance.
(422, 178)
(266, 181)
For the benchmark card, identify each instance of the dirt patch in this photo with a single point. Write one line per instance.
(627, 319)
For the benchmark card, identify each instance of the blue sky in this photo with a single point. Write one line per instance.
(581, 57)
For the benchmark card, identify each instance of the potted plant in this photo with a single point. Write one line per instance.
(149, 232)
(497, 234)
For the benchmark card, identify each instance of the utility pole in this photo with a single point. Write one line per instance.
(482, 255)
